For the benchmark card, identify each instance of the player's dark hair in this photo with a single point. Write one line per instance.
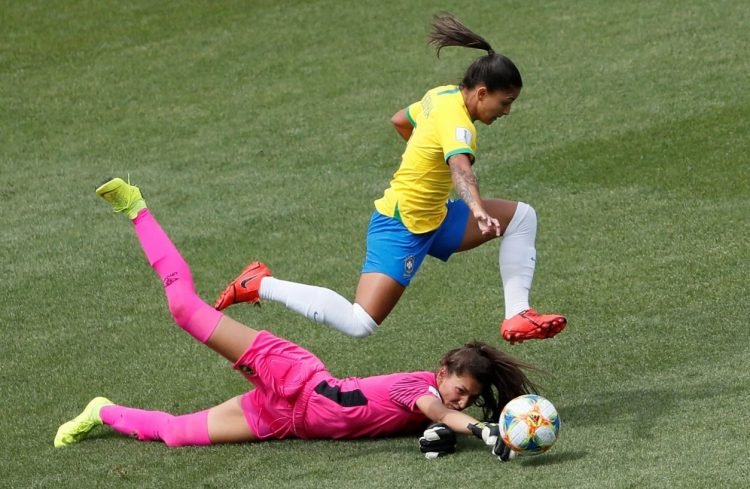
(501, 376)
(494, 70)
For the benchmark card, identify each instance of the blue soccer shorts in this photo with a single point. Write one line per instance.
(397, 252)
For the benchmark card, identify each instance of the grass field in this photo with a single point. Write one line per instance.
(260, 130)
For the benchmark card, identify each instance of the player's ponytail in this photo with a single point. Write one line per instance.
(494, 70)
(501, 376)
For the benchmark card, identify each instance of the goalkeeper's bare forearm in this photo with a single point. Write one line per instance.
(439, 413)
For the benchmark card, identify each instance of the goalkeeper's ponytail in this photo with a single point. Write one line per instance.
(502, 377)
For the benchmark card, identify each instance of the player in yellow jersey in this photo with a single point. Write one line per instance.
(415, 217)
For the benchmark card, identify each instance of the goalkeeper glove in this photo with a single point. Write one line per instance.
(489, 433)
(437, 440)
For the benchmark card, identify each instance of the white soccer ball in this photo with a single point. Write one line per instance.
(529, 424)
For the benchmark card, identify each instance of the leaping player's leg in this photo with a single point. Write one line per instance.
(502, 210)
(318, 304)
(517, 259)
(378, 294)
(377, 291)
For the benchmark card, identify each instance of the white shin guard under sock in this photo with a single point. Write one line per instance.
(518, 259)
(320, 305)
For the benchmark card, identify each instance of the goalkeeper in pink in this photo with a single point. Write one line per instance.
(294, 395)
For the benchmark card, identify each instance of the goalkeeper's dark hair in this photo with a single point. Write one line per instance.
(495, 71)
(501, 376)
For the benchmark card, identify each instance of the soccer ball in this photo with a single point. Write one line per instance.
(529, 424)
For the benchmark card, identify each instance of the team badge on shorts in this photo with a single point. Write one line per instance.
(409, 265)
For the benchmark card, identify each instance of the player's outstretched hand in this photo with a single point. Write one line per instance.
(488, 225)
(503, 451)
(437, 440)
(489, 433)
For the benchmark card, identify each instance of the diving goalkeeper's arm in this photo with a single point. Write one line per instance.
(459, 422)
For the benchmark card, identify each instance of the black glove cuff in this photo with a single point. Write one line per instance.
(475, 429)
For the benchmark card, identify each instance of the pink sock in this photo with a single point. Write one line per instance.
(189, 311)
(174, 431)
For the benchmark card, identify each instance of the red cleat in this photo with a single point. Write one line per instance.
(529, 325)
(244, 288)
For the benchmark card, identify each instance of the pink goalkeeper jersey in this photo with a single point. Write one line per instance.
(367, 407)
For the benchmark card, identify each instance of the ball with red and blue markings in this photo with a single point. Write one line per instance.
(529, 424)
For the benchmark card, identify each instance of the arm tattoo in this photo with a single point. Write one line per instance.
(464, 181)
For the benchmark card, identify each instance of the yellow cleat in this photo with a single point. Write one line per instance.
(123, 196)
(78, 428)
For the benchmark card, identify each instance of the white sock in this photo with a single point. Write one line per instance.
(320, 305)
(518, 259)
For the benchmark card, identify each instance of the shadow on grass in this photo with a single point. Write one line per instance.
(641, 408)
(552, 458)
(106, 433)
(394, 449)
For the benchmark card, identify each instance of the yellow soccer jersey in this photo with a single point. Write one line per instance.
(422, 183)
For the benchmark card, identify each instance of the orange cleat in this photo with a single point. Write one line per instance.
(529, 325)
(245, 288)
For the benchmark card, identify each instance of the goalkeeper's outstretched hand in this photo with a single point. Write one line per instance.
(489, 433)
(437, 440)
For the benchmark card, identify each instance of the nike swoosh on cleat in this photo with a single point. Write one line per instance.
(242, 284)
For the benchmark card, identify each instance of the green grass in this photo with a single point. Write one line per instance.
(260, 130)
